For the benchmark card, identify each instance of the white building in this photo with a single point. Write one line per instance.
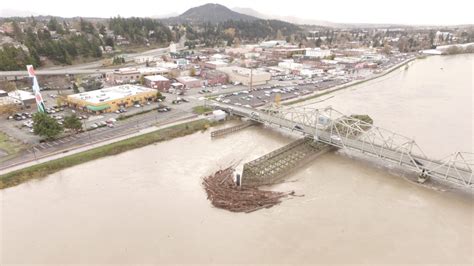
(311, 72)
(290, 65)
(246, 76)
(317, 53)
(218, 57)
(272, 43)
(144, 59)
(172, 47)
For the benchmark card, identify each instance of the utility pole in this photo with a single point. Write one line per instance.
(251, 77)
(34, 154)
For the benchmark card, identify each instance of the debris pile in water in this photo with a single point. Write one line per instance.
(225, 194)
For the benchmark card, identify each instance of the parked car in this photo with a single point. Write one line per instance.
(336, 140)
(297, 127)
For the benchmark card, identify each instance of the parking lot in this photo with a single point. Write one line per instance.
(266, 94)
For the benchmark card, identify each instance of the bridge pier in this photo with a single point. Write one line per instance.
(422, 177)
(272, 167)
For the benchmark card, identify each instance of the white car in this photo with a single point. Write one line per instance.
(336, 139)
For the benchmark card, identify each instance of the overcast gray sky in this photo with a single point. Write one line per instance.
(356, 11)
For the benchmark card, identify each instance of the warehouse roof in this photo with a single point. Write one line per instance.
(110, 94)
(156, 78)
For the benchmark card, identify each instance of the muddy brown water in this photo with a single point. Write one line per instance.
(148, 205)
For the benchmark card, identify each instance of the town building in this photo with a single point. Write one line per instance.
(288, 51)
(146, 59)
(158, 82)
(246, 76)
(213, 77)
(132, 75)
(317, 53)
(25, 98)
(111, 99)
(272, 43)
(189, 82)
(218, 57)
(215, 64)
(290, 65)
(181, 62)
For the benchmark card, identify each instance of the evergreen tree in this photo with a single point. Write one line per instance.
(46, 126)
(73, 123)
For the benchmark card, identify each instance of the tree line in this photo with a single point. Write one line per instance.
(231, 31)
(62, 48)
(141, 30)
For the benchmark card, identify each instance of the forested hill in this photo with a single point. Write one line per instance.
(56, 41)
(213, 13)
(40, 40)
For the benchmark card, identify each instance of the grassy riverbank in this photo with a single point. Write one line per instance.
(202, 109)
(345, 86)
(47, 168)
(9, 147)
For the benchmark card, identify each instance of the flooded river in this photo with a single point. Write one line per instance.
(148, 205)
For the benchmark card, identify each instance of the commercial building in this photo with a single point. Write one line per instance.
(214, 77)
(146, 59)
(288, 51)
(215, 64)
(111, 99)
(246, 76)
(317, 53)
(273, 43)
(131, 74)
(158, 82)
(290, 65)
(189, 82)
(24, 98)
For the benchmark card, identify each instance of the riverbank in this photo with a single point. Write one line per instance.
(44, 169)
(347, 85)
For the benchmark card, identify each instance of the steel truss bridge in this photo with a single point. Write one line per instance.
(346, 132)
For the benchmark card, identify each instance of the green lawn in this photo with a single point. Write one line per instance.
(9, 146)
(201, 109)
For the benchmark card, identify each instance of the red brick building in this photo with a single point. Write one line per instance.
(213, 77)
(157, 82)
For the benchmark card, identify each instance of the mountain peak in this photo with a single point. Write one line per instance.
(213, 13)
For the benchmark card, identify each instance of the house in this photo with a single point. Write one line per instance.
(158, 82)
